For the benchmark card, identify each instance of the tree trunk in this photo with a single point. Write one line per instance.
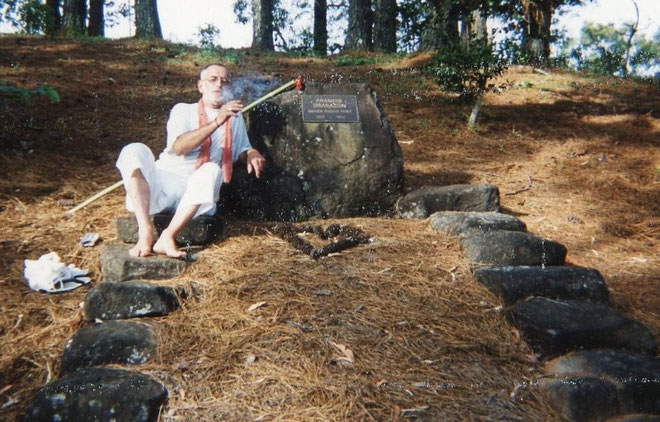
(73, 18)
(147, 23)
(360, 24)
(474, 116)
(56, 17)
(96, 25)
(473, 29)
(321, 27)
(441, 28)
(536, 38)
(626, 67)
(262, 24)
(385, 26)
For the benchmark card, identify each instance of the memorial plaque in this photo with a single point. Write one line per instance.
(330, 108)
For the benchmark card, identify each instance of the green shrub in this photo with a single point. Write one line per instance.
(354, 60)
(468, 72)
(11, 92)
(208, 34)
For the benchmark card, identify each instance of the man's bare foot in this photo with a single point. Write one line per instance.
(166, 245)
(144, 244)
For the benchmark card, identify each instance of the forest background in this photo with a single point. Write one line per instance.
(603, 36)
(574, 154)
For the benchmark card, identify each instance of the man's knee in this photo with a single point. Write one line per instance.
(134, 157)
(135, 150)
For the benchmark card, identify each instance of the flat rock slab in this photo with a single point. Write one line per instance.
(513, 284)
(553, 327)
(635, 418)
(200, 231)
(123, 342)
(504, 248)
(427, 200)
(99, 394)
(580, 399)
(458, 223)
(117, 265)
(634, 378)
(131, 299)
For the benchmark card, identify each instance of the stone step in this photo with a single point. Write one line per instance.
(552, 327)
(459, 223)
(596, 384)
(99, 394)
(582, 398)
(117, 265)
(130, 299)
(635, 417)
(200, 231)
(122, 342)
(513, 284)
(427, 200)
(505, 248)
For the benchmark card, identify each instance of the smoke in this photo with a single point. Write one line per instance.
(249, 88)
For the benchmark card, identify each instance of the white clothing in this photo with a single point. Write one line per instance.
(173, 179)
(183, 118)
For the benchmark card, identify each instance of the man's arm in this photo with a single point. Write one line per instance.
(188, 141)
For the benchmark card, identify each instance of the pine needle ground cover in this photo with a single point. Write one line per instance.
(393, 328)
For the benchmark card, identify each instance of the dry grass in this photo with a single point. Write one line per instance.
(421, 332)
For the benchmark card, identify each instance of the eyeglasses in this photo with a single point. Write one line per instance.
(214, 80)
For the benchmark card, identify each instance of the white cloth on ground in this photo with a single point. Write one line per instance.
(173, 179)
(50, 274)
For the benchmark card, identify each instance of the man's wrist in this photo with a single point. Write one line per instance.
(245, 154)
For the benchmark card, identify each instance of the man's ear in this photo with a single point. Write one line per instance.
(199, 86)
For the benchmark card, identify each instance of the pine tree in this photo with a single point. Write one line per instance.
(262, 24)
(74, 16)
(385, 26)
(56, 16)
(321, 27)
(360, 24)
(441, 27)
(147, 23)
(96, 25)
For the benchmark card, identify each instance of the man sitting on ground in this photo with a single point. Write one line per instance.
(203, 140)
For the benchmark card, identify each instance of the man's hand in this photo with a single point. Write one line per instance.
(230, 108)
(255, 161)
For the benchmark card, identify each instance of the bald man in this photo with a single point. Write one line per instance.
(203, 140)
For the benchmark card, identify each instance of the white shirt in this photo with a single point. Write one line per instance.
(183, 118)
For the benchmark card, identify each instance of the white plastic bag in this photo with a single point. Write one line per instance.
(49, 274)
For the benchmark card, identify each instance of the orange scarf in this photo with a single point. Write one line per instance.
(205, 153)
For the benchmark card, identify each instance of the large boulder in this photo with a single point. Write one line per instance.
(318, 169)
